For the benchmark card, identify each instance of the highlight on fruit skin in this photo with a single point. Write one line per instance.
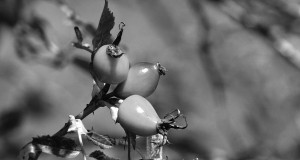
(142, 79)
(137, 115)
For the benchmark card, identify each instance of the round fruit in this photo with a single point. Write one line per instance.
(142, 80)
(110, 64)
(138, 116)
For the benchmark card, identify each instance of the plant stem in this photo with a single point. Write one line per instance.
(148, 147)
(129, 149)
(154, 147)
(95, 103)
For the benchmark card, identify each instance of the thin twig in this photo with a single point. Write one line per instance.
(90, 108)
(95, 103)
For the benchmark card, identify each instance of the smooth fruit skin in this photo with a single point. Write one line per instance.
(142, 80)
(138, 116)
(109, 69)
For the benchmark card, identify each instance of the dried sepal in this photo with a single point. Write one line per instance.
(96, 89)
(76, 125)
(112, 104)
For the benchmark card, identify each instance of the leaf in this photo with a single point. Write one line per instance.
(55, 145)
(104, 142)
(106, 23)
(99, 155)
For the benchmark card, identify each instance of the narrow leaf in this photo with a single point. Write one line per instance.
(104, 142)
(98, 155)
(106, 23)
(119, 36)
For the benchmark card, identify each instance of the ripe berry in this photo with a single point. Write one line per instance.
(110, 64)
(137, 115)
(142, 80)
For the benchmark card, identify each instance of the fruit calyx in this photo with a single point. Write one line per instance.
(114, 51)
(169, 122)
(161, 69)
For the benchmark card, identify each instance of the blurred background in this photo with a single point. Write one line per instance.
(233, 70)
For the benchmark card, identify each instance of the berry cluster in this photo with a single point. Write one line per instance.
(133, 82)
(119, 85)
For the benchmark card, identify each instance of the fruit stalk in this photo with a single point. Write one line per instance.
(148, 146)
(154, 151)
